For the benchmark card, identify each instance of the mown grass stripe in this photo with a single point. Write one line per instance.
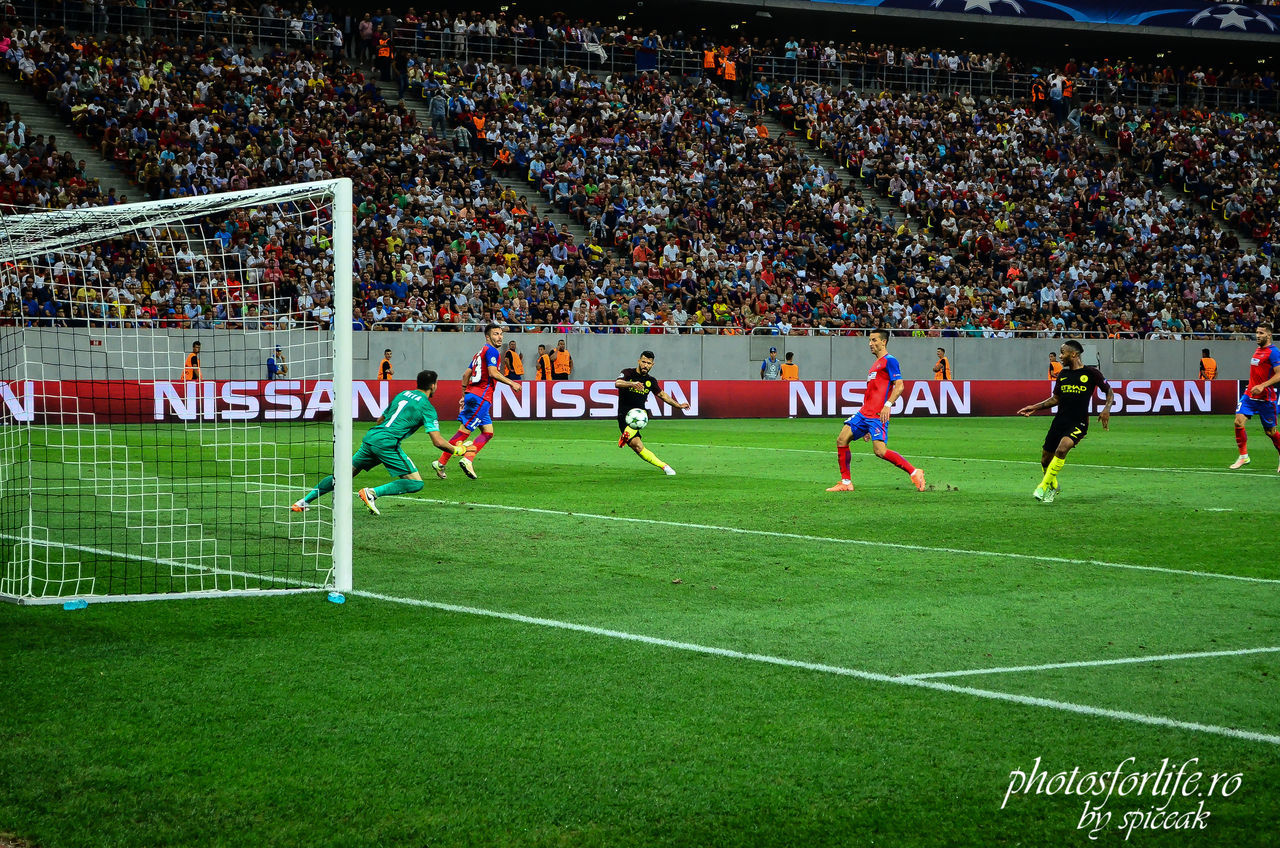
(1025, 700)
(870, 543)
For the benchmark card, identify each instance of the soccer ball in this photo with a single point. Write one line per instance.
(637, 419)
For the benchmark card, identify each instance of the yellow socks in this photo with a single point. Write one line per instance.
(647, 456)
(1051, 474)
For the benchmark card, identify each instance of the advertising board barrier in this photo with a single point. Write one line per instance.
(136, 401)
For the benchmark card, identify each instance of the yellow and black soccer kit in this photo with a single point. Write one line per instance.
(1074, 388)
(629, 398)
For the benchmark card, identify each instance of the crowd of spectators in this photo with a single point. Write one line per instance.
(1229, 161)
(1027, 224)
(1062, 233)
(719, 221)
(34, 172)
(697, 218)
(491, 34)
(436, 240)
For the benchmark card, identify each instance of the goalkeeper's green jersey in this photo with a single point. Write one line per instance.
(407, 412)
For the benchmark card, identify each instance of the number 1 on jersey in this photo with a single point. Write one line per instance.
(399, 407)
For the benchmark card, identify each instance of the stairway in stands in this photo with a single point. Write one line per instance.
(1171, 192)
(518, 184)
(42, 120)
(866, 190)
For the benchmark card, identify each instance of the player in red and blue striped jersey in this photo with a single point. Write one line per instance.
(476, 404)
(1259, 397)
(884, 385)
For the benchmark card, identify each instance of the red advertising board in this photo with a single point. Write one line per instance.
(125, 401)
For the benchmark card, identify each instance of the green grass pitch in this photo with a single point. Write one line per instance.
(575, 650)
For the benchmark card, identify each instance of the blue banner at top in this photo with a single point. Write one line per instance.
(1213, 17)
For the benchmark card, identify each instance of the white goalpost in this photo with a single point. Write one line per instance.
(174, 375)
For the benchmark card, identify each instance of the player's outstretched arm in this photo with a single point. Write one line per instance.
(1048, 403)
(496, 376)
(666, 398)
(445, 445)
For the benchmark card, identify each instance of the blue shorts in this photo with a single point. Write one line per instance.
(862, 425)
(476, 412)
(1264, 409)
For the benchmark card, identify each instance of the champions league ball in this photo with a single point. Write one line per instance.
(637, 419)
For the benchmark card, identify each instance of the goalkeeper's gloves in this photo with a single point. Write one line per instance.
(460, 449)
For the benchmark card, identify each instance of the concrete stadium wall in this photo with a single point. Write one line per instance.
(152, 354)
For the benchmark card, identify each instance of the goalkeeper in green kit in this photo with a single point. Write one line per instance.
(407, 412)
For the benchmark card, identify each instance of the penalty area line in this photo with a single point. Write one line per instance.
(1092, 663)
(869, 543)
(875, 677)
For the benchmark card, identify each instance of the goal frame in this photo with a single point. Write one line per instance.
(24, 235)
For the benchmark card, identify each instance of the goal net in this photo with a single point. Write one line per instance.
(173, 376)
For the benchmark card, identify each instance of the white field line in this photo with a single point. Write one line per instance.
(1063, 706)
(1025, 700)
(1091, 663)
(775, 534)
(172, 563)
(866, 455)
(175, 484)
(250, 488)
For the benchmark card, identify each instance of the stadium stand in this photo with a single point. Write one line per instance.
(1021, 218)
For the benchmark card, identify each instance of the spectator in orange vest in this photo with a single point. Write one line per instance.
(561, 362)
(502, 163)
(1039, 92)
(1208, 365)
(942, 368)
(512, 363)
(543, 369)
(790, 371)
(191, 365)
(1054, 366)
(383, 60)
